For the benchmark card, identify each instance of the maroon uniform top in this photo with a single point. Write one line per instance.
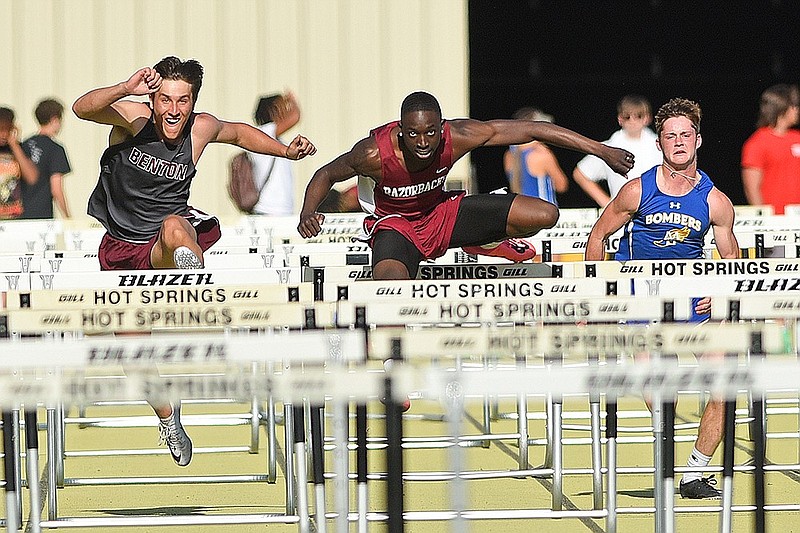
(411, 195)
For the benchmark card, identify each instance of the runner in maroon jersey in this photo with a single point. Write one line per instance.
(414, 217)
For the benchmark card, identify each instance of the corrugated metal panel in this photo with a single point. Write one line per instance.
(350, 63)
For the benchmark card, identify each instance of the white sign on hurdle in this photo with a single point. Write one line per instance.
(108, 319)
(166, 278)
(577, 342)
(156, 297)
(507, 310)
(313, 384)
(757, 307)
(369, 291)
(718, 285)
(311, 346)
(677, 268)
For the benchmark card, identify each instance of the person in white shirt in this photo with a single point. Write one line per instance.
(634, 115)
(274, 115)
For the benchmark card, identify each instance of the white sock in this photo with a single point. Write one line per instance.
(695, 459)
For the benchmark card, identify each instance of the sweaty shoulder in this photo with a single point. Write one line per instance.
(206, 122)
(365, 158)
(630, 195)
(719, 205)
(467, 134)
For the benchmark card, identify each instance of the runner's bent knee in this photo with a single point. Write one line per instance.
(176, 231)
(529, 215)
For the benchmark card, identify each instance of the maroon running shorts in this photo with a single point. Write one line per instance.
(116, 254)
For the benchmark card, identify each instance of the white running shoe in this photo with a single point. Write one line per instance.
(185, 259)
(172, 434)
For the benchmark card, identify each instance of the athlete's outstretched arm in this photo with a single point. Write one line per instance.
(252, 139)
(469, 134)
(722, 216)
(363, 159)
(105, 105)
(616, 214)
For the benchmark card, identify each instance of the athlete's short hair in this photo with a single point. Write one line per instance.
(190, 71)
(420, 101)
(6, 115)
(47, 110)
(775, 101)
(678, 107)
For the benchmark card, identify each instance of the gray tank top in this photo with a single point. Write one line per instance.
(142, 180)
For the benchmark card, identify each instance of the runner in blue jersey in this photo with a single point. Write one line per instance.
(666, 214)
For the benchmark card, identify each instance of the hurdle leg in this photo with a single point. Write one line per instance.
(12, 512)
(361, 466)
(487, 410)
(309, 459)
(52, 474)
(60, 443)
(611, 458)
(669, 466)
(726, 520)
(32, 469)
(759, 458)
(454, 404)
(597, 452)
(301, 470)
(522, 430)
(272, 437)
(255, 417)
(548, 452)
(558, 476)
(15, 427)
(341, 463)
(394, 461)
(558, 450)
(318, 465)
(658, 459)
(522, 423)
(288, 428)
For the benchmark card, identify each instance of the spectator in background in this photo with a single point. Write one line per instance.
(51, 160)
(771, 156)
(274, 115)
(15, 167)
(531, 168)
(634, 115)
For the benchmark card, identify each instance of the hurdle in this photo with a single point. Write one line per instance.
(609, 378)
(308, 347)
(399, 317)
(510, 312)
(150, 309)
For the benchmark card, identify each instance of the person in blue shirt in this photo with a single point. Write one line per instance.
(532, 168)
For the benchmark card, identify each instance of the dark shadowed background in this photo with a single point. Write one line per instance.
(574, 59)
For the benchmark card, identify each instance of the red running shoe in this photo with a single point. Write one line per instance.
(405, 405)
(517, 250)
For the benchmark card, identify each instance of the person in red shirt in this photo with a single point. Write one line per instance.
(414, 217)
(771, 156)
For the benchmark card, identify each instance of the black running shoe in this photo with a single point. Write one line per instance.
(701, 489)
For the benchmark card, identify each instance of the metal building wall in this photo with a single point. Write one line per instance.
(350, 63)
